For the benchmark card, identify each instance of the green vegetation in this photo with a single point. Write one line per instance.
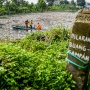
(63, 8)
(36, 62)
(81, 2)
(8, 7)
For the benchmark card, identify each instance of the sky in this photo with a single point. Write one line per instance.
(35, 1)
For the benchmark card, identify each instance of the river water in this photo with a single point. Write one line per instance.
(46, 19)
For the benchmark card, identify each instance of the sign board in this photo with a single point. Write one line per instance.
(79, 48)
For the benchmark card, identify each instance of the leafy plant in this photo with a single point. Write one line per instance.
(31, 64)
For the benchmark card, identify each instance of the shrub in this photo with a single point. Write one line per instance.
(32, 64)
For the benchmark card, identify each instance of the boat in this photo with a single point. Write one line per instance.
(20, 27)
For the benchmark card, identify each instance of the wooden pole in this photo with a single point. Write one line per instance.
(79, 49)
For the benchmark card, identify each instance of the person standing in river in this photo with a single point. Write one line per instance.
(26, 24)
(31, 23)
(39, 27)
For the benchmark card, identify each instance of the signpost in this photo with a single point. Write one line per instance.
(79, 49)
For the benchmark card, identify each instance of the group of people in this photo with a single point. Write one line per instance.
(27, 24)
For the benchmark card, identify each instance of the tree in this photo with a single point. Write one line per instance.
(41, 5)
(31, 7)
(64, 2)
(72, 2)
(81, 2)
(1, 2)
(50, 2)
(7, 7)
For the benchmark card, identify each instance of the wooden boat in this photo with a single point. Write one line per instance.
(20, 27)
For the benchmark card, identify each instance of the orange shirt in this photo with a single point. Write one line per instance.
(39, 27)
(26, 24)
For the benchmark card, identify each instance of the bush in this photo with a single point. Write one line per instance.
(20, 69)
(2, 11)
(32, 64)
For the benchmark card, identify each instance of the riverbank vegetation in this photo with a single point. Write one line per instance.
(36, 62)
(22, 6)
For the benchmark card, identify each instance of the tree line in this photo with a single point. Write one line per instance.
(22, 6)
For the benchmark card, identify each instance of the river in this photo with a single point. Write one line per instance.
(46, 19)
